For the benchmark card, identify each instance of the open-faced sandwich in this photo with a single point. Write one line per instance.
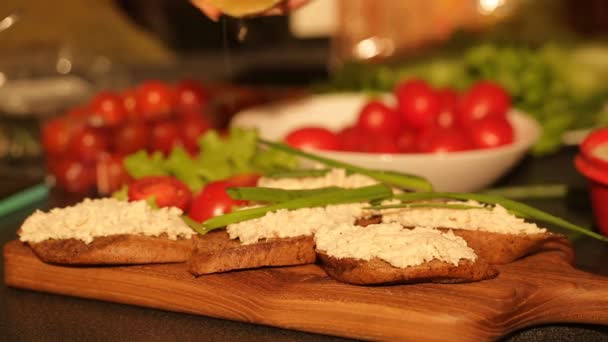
(108, 231)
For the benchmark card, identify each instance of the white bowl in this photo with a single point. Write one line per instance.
(465, 171)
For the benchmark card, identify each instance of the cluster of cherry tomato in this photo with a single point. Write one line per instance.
(212, 200)
(425, 120)
(84, 148)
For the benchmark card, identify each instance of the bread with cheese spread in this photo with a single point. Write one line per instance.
(377, 271)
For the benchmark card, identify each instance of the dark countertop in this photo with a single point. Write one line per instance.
(27, 315)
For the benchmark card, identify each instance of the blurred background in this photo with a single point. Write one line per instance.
(551, 55)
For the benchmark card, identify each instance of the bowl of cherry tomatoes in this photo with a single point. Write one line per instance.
(460, 141)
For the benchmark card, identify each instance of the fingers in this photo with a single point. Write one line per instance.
(285, 7)
(214, 14)
(209, 10)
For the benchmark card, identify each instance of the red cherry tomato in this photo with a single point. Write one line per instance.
(212, 201)
(350, 139)
(130, 137)
(491, 132)
(164, 136)
(448, 99)
(56, 135)
(380, 144)
(377, 118)
(313, 138)
(129, 102)
(418, 103)
(192, 127)
(245, 179)
(441, 140)
(75, 176)
(167, 191)
(111, 174)
(484, 98)
(78, 113)
(155, 100)
(190, 96)
(407, 141)
(107, 109)
(87, 144)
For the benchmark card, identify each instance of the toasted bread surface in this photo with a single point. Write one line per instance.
(498, 248)
(114, 249)
(377, 271)
(216, 252)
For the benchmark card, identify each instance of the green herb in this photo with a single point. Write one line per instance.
(362, 194)
(298, 173)
(261, 194)
(530, 191)
(425, 205)
(388, 177)
(517, 208)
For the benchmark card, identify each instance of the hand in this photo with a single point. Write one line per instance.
(285, 6)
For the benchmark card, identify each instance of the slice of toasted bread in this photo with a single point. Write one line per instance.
(498, 248)
(216, 252)
(113, 250)
(377, 271)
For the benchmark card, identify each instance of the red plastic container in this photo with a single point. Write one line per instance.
(592, 162)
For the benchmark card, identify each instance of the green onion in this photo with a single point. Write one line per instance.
(297, 173)
(425, 205)
(363, 194)
(530, 191)
(388, 177)
(196, 226)
(261, 194)
(517, 208)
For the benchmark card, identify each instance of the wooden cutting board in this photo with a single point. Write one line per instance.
(543, 288)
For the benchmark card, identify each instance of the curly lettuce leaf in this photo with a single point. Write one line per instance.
(141, 164)
(219, 158)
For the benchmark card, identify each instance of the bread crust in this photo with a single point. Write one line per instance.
(215, 252)
(114, 250)
(377, 271)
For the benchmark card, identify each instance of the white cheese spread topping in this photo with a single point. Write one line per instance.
(392, 243)
(103, 217)
(335, 177)
(291, 223)
(495, 220)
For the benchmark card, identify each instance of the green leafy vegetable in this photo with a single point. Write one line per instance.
(141, 164)
(220, 158)
(362, 194)
(121, 194)
(182, 166)
(388, 177)
(517, 208)
(261, 194)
